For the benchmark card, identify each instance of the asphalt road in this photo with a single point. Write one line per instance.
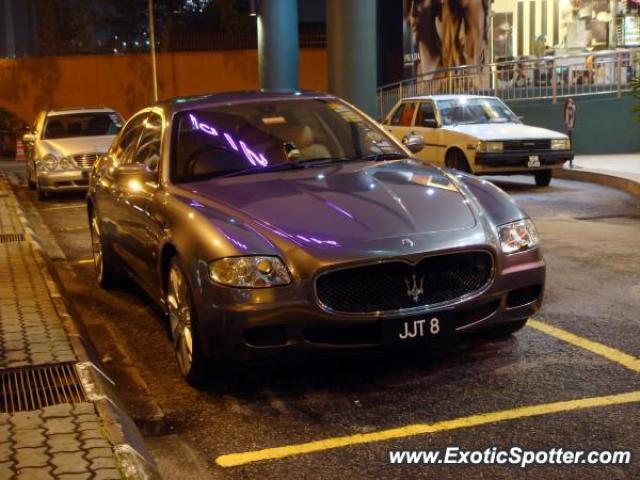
(591, 243)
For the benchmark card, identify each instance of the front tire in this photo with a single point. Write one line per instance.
(108, 272)
(183, 326)
(42, 195)
(30, 183)
(543, 177)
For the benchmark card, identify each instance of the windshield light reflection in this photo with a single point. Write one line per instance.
(252, 157)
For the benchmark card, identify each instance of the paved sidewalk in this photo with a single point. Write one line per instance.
(621, 171)
(49, 429)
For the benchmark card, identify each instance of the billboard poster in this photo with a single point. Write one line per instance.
(444, 33)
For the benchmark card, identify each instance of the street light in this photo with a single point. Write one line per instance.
(152, 38)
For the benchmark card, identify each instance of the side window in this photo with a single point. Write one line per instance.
(148, 151)
(128, 140)
(404, 115)
(426, 113)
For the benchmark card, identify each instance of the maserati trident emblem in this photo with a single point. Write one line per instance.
(413, 289)
(407, 242)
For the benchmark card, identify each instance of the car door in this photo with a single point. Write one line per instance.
(426, 124)
(400, 122)
(107, 190)
(142, 219)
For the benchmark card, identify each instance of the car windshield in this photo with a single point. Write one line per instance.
(462, 111)
(270, 135)
(86, 124)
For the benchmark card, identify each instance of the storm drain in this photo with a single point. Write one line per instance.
(11, 237)
(32, 388)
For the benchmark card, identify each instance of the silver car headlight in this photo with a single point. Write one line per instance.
(50, 162)
(518, 236)
(249, 272)
(560, 144)
(490, 147)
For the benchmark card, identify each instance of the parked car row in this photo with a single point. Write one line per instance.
(272, 224)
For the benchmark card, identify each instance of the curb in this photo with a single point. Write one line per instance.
(136, 463)
(612, 181)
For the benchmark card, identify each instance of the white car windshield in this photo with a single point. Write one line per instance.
(463, 111)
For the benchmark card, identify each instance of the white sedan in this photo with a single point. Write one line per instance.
(64, 144)
(477, 134)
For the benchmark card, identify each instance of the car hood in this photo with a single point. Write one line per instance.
(338, 205)
(505, 131)
(74, 146)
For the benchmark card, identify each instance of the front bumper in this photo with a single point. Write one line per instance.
(239, 326)
(518, 161)
(67, 180)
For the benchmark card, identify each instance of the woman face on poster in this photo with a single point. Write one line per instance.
(424, 21)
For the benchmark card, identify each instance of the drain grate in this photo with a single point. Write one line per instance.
(11, 237)
(32, 388)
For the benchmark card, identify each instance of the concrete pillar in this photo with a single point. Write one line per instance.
(278, 44)
(352, 51)
(9, 35)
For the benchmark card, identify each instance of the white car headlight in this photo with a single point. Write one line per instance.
(560, 144)
(50, 162)
(249, 272)
(490, 147)
(518, 236)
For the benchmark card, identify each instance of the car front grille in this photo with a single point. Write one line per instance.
(396, 285)
(526, 145)
(86, 160)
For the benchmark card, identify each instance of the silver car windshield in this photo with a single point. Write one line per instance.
(462, 111)
(261, 136)
(89, 124)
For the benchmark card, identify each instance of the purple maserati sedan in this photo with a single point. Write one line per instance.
(272, 224)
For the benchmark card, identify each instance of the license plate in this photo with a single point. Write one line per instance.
(415, 330)
(534, 161)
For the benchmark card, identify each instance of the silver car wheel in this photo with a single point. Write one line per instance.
(96, 245)
(179, 302)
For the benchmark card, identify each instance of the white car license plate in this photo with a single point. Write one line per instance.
(534, 161)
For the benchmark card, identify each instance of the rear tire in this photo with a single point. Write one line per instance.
(108, 272)
(456, 159)
(543, 177)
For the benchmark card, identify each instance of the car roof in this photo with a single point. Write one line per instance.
(444, 97)
(67, 111)
(179, 104)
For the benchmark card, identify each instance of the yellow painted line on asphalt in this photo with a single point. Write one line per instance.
(612, 354)
(237, 459)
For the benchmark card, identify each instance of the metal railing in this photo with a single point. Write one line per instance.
(525, 79)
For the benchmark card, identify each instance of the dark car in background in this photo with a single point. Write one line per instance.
(272, 224)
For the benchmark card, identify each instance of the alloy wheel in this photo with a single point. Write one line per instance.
(179, 303)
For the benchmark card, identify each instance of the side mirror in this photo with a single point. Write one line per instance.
(133, 171)
(29, 138)
(413, 142)
(430, 123)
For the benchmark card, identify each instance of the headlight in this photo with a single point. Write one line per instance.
(50, 162)
(65, 163)
(560, 144)
(490, 147)
(518, 236)
(249, 272)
